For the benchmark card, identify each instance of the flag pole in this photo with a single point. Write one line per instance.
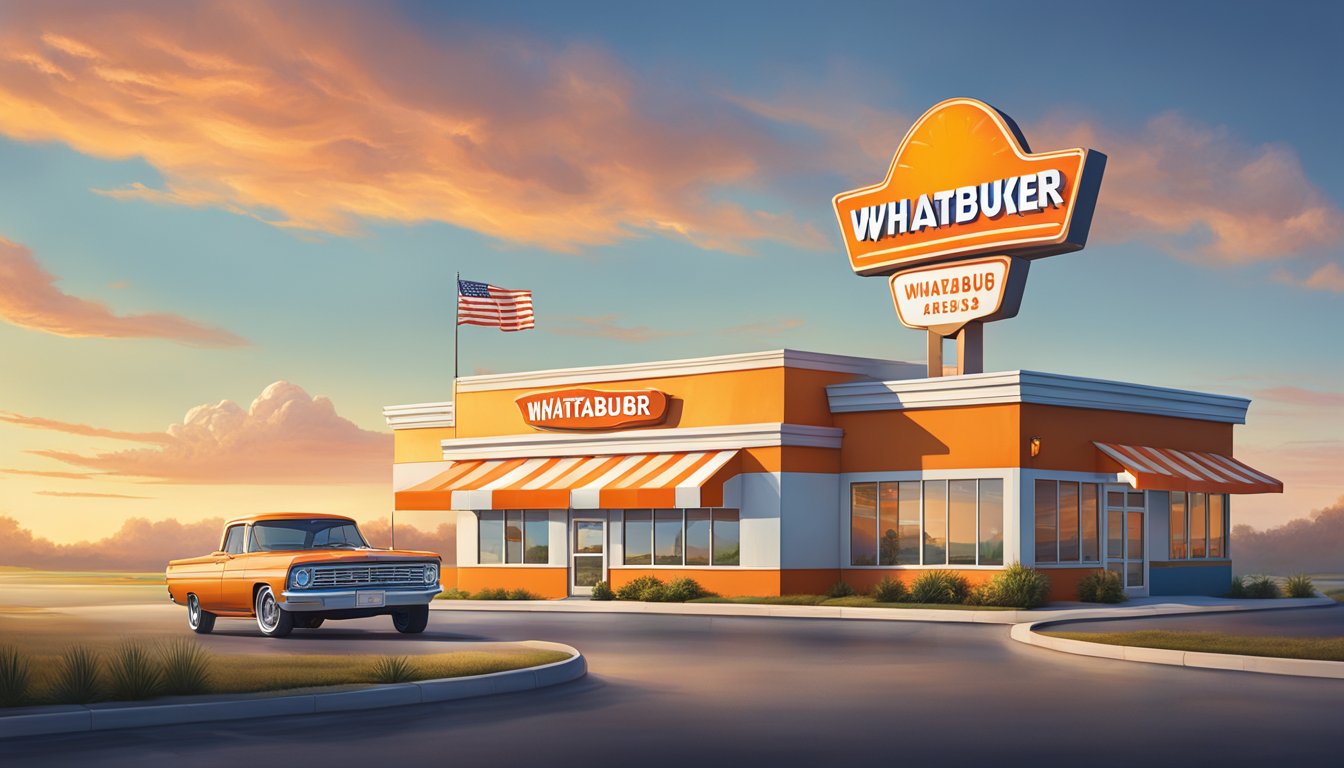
(457, 292)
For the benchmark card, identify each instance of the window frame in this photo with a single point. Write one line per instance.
(1207, 505)
(920, 481)
(1081, 498)
(504, 517)
(653, 563)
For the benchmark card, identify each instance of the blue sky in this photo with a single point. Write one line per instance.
(1225, 106)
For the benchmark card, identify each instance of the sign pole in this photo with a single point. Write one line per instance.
(971, 348)
(935, 354)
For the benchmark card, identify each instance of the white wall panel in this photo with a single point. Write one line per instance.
(810, 520)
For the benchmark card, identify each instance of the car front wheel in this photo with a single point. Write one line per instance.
(411, 620)
(200, 621)
(272, 620)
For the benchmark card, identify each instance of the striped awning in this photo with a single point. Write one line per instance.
(661, 480)
(1169, 469)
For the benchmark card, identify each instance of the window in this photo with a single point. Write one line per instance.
(694, 537)
(513, 537)
(863, 524)
(1068, 522)
(233, 540)
(932, 522)
(1199, 523)
(314, 533)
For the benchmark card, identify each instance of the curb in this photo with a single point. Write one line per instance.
(1272, 665)
(102, 717)
(734, 609)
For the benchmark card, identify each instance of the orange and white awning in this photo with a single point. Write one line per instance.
(1169, 469)
(662, 480)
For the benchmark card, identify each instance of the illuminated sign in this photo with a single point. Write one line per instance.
(964, 183)
(944, 297)
(593, 408)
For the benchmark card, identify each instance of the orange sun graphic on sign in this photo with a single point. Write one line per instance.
(962, 183)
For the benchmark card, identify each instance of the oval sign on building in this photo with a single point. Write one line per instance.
(945, 297)
(593, 409)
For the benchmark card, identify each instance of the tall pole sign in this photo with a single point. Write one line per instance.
(964, 209)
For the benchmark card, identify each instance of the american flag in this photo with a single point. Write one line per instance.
(483, 304)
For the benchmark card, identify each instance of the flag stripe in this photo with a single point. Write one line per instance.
(494, 307)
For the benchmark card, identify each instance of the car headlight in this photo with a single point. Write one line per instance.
(431, 573)
(303, 577)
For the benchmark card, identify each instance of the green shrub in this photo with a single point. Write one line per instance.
(939, 586)
(453, 593)
(78, 679)
(185, 666)
(523, 594)
(1016, 586)
(889, 590)
(636, 589)
(393, 669)
(15, 677)
(1102, 587)
(498, 593)
(840, 589)
(681, 590)
(602, 591)
(1238, 588)
(134, 673)
(1261, 588)
(1300, 586)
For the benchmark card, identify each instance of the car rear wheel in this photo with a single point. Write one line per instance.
(411, 620)
(272, 620)
(200, 621)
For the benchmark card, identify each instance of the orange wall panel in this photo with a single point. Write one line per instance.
(1064, 581)
(1067, 435)
(419, 444)
(549, 583)
(807, 581)
(725, 582)
(968, 437)
(805, 400)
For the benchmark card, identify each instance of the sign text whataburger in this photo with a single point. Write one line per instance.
(593, 408)
(945, 297)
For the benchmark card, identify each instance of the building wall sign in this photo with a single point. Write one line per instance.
(964, 183)
(944, 297)
(593, 409)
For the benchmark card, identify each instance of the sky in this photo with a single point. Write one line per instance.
(229, 232)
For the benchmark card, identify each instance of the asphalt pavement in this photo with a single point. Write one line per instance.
(710, 691)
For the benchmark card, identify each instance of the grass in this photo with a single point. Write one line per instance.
(81, 674)
(1323, 648)
(1335, 594)
(855, 601)
(13, 574)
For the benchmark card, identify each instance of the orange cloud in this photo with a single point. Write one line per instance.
(1329, 277)
(285, 437)
(56, 475)
(86, 495)
(318, 117)
(37, 422)
(1300, 396)
(1198, 191)
(30, 299)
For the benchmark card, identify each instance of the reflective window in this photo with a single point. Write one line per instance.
(1091, 515)
(1115, 534)
(1136, 549)
(490, 537)
(863, 524)
(638, 537)
(935, 522)
(961, 535)
(697, 537)
(1216, 525)
(1177, 527)
(727, 539)
(889, 527)
(991, 522)
(1047, 498)
(233, 540)
(667, 537)
(908, 522)
(536, 537)
(1199, 522)
(513, 536)
(1068, 522)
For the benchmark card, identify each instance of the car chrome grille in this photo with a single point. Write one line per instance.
(411, 575)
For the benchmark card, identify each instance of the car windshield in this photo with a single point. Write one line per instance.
(277, 535)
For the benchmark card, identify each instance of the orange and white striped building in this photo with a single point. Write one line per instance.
(784, 472)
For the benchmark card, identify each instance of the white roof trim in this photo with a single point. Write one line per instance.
(419, 415)
(777, 358)
(643, 441)
(1037, 388)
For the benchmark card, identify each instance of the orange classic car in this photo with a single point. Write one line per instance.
(290, 570)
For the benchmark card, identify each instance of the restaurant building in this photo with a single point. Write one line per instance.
(784, 472)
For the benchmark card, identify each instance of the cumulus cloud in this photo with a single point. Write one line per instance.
(285, 437)
(1328, 277)
(318, 116)
(30, 299)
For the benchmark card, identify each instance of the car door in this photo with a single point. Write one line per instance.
(235, 593)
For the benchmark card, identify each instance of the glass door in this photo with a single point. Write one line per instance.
(1126, 525)
(588, 558)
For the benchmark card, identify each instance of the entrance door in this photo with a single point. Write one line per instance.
(588, 558)
(1126, 525)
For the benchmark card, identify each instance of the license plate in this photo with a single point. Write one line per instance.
(369, 599)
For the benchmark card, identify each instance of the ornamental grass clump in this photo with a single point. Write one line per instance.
(602, 591)
(15, 677)
(1260, 588)
(393, 669)
(642, 588)
(499, 593)
(1101, 587)
(890, 590)
(1300, 586)
(185, 666)
(133, 673)
(523, 594)
(681, 590)
(840, 589)
(1016, 586)
(78, 679)
(939, 586)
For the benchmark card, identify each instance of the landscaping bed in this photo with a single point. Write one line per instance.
(1319, 648)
